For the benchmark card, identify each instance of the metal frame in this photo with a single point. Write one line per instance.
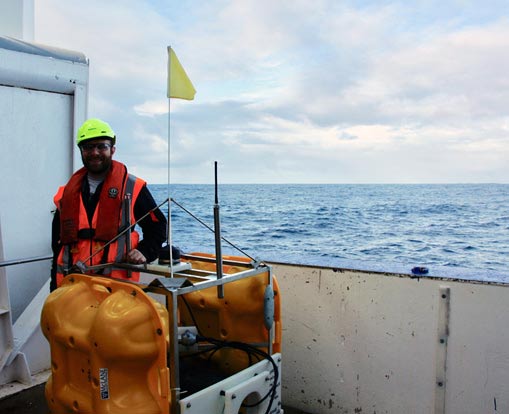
(199, 280)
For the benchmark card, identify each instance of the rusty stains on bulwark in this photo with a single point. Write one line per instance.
(398, 273)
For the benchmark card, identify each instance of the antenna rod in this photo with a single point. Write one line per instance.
(217, 233)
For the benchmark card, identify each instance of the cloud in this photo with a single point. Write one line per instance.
(298, 91)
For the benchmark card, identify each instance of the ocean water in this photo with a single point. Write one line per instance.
(446, 228)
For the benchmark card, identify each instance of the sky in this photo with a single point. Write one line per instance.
(297, 91)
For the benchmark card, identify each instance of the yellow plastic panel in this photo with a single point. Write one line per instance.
(238, 316)
(108, 344)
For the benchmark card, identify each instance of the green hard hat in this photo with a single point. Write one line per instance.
(94, 128)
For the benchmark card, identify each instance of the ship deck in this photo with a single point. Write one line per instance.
(31, 400)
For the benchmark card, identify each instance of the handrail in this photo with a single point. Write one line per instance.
(23, 261)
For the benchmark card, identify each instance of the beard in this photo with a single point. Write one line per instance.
(97, 163)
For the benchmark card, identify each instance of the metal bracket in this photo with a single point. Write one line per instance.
(168, 284)
(441, 354)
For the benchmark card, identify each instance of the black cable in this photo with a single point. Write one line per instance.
(247, 348)
(191, 313)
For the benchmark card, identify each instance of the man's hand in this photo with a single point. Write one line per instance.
(136, 257)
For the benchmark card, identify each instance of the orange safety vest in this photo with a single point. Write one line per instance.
(80, 239)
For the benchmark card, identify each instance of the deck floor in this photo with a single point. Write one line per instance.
(28, 401)
(32, 401)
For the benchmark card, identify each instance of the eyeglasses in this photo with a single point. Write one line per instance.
(101, 147)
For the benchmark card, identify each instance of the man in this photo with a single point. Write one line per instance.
(92, 209)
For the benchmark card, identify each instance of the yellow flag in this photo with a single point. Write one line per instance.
(179, 85)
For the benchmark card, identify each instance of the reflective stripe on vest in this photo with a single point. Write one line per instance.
(122, 241)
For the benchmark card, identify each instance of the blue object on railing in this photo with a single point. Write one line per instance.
(420, 270)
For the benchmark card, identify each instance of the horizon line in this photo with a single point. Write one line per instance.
(318, 183)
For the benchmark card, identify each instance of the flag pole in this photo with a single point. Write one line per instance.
(179, 86)
(169, 238)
